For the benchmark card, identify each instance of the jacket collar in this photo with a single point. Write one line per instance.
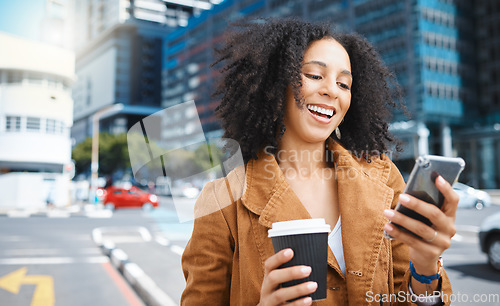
(363, 195)
(265, 183)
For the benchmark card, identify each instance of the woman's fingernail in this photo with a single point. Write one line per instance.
(306, 270)
(388, 227)
(312, 286)
(308, 300)
(388, 213)
(288, 253)
(403, 198)
(440, 180)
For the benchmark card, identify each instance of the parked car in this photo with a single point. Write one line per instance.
(128, 196)
(489, 239)
(471, 197)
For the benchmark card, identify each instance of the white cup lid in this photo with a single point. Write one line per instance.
(296, 227)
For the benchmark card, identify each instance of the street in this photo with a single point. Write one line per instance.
(466, 265)
(55, 258)
(54, 261)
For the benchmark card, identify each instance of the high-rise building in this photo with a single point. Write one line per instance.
(434, 47)
(36, 114)
(478, 141)
(119, 47)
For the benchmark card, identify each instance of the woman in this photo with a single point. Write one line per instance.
(309, 110)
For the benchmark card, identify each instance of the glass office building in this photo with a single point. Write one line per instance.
(431, 45)
(118, 46)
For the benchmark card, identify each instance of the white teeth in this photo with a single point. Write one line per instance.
(324, 111)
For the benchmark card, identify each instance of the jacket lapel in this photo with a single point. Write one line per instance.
(363, 196)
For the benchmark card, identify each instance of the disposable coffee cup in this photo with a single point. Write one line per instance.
(308, 238)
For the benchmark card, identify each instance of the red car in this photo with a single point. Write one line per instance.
(119, 197)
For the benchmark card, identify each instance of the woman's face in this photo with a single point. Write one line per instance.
(325, 93)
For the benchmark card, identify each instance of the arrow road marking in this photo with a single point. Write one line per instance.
(44, 291)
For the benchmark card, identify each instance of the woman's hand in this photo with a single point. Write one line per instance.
(272, 294)
(425, 252)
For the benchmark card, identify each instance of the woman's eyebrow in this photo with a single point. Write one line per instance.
(316, 62)
(322, 64)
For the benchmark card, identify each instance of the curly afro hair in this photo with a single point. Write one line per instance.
(262, 58)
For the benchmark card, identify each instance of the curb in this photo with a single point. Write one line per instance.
(145, 287)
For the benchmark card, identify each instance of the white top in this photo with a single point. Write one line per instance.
(335, 244)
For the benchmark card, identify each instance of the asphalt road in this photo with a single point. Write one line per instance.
(474, 282)
(45, 258)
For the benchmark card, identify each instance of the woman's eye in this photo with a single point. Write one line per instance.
(344, 86)
(314, 77)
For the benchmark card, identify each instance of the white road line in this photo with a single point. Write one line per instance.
(14, 239)
(162, 240)
(126, 239)
(467, 228)
(177, 249)
(46, 252)
(145, 234)
(463, 257)
(52, 260)
(58, 214)
(18, 214)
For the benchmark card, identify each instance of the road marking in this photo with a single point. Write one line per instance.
(14, 239)
(44, 290)
(58, 214)
(165, 242)
(465, 257)
(52, 260)
(18, 214)
(144, 234)
(47, 252)
(28, 252)
(177, 249)
(467, 228)
(162, 240)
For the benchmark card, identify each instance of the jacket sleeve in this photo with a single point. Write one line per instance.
(207, 258)
(400, 256)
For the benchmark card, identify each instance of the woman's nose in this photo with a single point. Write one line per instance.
(329, 88)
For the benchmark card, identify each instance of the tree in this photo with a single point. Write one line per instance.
(113, 154)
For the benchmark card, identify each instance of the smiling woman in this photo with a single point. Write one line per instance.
(309, 109)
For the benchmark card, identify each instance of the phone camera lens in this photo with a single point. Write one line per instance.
(426, 165)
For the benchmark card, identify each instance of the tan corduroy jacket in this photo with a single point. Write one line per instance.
(223, 262)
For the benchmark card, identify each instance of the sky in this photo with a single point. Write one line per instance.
(21, 17)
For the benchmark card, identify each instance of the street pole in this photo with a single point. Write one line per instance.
(94, 164)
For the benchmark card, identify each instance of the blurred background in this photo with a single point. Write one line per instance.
(77, 75)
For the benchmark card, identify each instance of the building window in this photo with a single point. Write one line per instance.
(33, 124)
(13, 124)
(51, 126)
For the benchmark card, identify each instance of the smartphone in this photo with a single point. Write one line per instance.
(421, 183)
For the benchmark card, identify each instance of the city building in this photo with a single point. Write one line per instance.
(119, 45)
(479, 139)
(36, 114)
(56, 26)
(436, 48)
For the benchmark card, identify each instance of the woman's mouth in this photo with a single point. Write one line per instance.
(326, 113)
